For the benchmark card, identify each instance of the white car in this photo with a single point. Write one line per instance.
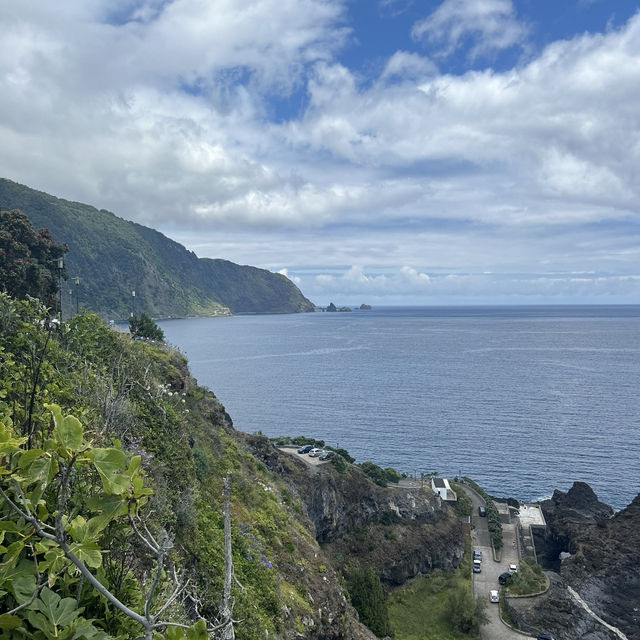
(513, 568)
(315, 452)
(494, 596)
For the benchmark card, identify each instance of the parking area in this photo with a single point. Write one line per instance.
(312, 462)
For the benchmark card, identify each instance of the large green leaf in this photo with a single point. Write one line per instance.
(198, 631)
(60, 612)
(23, 588)
(27, 457)
(42, 471)
(89, 553)
(8, 621)
(110, 508)
(68, 431)
(84, 629)
(111, 464)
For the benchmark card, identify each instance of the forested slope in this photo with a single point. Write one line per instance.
(113, 257)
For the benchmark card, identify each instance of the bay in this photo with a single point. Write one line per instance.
(522, 399)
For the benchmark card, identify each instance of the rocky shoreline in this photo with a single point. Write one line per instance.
(594, 551)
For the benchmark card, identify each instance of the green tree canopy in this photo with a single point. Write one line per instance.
(28, 259)
(143, 326)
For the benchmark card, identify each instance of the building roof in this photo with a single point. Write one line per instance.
(439, 483)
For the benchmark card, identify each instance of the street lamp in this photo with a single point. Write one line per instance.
(133, 296)
(77, 282)
(60, 268)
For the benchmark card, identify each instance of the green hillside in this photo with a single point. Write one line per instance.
(113, 257)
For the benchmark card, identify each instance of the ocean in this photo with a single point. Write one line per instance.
(524, 400)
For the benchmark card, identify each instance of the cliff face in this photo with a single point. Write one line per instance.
(398, 532)
(602, 567)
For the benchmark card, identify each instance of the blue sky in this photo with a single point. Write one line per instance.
(381, 151)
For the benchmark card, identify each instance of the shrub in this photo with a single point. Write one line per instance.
(464, 505)
(339, 463)
(465, 613)
(143, 326)
(368, 600)
(380, 476)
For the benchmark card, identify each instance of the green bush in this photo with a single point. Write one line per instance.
(380, 476)
(464, 505)
(368, 600)
(143, 326)
(299, 441)
(466, 613)
(339, 463)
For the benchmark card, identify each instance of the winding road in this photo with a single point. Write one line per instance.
(487, 580)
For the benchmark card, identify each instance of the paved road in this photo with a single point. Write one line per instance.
(487, 580)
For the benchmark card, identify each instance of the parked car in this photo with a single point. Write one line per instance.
(477, 554)
(494, 596)
(305, 449)
(504, 578)
(314, 453)
(544, 636)
(477, 566)
(482, 512)
(513, 568)
(327, 455)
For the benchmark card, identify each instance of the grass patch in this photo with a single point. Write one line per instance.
(422, 610)
(529, 579)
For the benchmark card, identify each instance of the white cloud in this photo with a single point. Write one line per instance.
(354, 286)
(408, 67)
(166, 119)
(491, 25)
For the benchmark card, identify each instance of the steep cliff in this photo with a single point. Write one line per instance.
(398, 532)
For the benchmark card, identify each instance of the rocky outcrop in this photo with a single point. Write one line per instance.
(398, 532)
(579, 504)
(600, 561)
(557, 613)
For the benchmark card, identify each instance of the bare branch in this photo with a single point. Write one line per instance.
(226, 610)
(152, 546)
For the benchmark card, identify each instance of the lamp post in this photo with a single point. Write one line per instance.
(60, 268)
(77, 283)
(133, 296)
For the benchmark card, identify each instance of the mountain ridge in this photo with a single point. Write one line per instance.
(114, 257)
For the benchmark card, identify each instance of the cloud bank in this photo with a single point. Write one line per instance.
(234, 127)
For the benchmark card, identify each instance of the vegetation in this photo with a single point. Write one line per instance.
(529, 579)
(29, 259)
(494, 521)
(380, 476)
(133, 410)
(368, 599)
(438, 606)
(464, 505)
(143, 326)
(114, 257)
(298, 441)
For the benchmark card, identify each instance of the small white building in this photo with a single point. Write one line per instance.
(442, 487)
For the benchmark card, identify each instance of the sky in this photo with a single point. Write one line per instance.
(375, 151)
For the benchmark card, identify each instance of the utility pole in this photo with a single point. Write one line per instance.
(77, 281)
(60, 269)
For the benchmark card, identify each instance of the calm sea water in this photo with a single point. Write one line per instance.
(522, 399)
